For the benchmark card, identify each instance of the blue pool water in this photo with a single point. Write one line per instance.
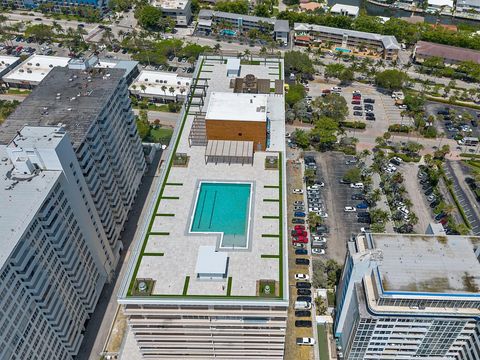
(229, 32)
(223, 208)
(343, 50)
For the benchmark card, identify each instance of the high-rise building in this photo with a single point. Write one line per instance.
(93, 107)
(54, 255)
(208, 277)
(409, 297)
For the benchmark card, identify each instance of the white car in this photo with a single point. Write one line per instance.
(318, 251)
(315, 187)
(287, 135)
(313, 209)
(298, 191)
(298, 203)
(323, 215)
(319, 238)
(357, 186)
(402, 107)
(299, 245)
(349, 209)
(365, 229)
(336, 89)
(302, 277)
(356, 92)
(306, 341)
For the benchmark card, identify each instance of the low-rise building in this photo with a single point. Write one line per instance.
(445, 5)
(409, 296)
(468, 6)
(451, 55)
(346, 41)
(7, 63)
(178, 10)
(310, 6)
(55, 5)
(208, 20)
(159, 85)
(345, 10)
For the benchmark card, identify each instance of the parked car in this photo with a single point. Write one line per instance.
(300, 239)
(357, 197)
(302, 305)
(362, 205)
(299, 208)
(299, 214)
(301, 261)
(303, 285)
(299, 227)
(349, 209)
(317, 251)
(303, 323)
(434, 204)
(303, 313)
(356, 107)
(301, 252)
(302, 277)
(356, 102)
(298, 221)
(298, 245)
(306, 341)
(306, 292)
(321, 229)
(365, 229)
(357, 113)
(304, 298)
(297, 191)
(357, 186)
(298, 203)
(369, 101)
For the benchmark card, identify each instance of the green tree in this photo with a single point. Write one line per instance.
(235, 6)
(332, 106)
(40, 32)
(391, 79)
(346, 76)
(309, 175)
(119, 5)
(261, 10)
(313, 219)
(353, 175)
(143, 127)
(148, 16)
(415, 102)
(298, 62)
(301, 138)
(324, 132)
(333, 70)
(295, 93)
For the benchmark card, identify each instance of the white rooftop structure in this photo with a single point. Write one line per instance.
(440, 3)
(33, 70)
(347, 10)
(233, 67)
(21, 191)
(171, 4)
(158, 84)
(6, 62)
(239, 107)
(211, 263)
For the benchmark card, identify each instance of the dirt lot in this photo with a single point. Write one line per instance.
(292, 350)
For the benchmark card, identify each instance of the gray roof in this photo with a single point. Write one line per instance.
(428, 263)
(389, 42)
(71, 97)
(208, 14)
(281, 25)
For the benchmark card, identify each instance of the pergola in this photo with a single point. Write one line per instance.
(227, 151)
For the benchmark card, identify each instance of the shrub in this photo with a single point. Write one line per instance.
(353, 124)
(399, 128)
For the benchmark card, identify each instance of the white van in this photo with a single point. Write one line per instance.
(357, 186)
(303, 305)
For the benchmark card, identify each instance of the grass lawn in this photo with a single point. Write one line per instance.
(322, 342)
(161, 135)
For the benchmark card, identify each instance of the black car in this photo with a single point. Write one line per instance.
(304, 292)
(369, 101)
(303, 313)
(474, 123)
(370, 118)
(356, 107)
(368, 107)
(363, 214)
(429, 191)
(298, 221)
(424, 181)
(303, 323)
(357, 113)
(364, 220)
(321, 229)
(426, 186)
(343, 181)
(300, 261)
(440, 216)
(171, 57)
(443, 112)
(304, 298)
(301, 252)
(357, 197)
(303, 285)
(434, 204)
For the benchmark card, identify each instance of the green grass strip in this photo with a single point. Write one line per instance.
(266, 256)
(457, 203)
(185, 285)
(170, 197)
(271, 200)
(229, 286)
(152, 219)
(207, 71)
(270, 217)
(174, 184)
(280, 220)
(271, 186)
(161, 214)
(158, 233)
(270, 236)
(153, 254)
(280, 70)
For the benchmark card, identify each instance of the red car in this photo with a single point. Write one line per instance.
(300, 239)
(356, 97)
(356, 102)
(326, 91)
(299, 227)
(296, 233)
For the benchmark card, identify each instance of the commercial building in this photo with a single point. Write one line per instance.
(409, 296)
(451, 55)
(55, 257)
(310, 6)
(346, 41)
(57, 5)
(345, 10)
(467, 6)
(93, 107)
(209, 20)
(178, 10)
(160, 85)
(445, 5)
(7, 63)
(208, 274)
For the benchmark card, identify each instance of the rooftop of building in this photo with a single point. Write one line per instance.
(6, 61)
(428, 263)
(34, 69)
(469, 3)
(341, 8)
(388, 41)
(22, 195)
(310, 6)
(206, 13)
(440, 3)
(237, 107)
(73, 98)
(166, 240)
(425, 48)
(171, 4)
(155, 81)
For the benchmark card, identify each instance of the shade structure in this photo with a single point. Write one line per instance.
(228, 151)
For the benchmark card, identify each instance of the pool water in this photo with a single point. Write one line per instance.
(223, 208)
(229, 32)
(343, 50)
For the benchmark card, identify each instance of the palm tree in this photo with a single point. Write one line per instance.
(171, 89)
(449, 209)
(247, 54)
(313, 219)
(143, 87)
(217, 48)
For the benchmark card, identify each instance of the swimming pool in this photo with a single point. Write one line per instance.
(343, 50)
(228, 32)
(223, 208)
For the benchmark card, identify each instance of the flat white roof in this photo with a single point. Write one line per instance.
(7, 61)
(211, 262)
(239, 107)
(154, 81)
(440, 3)
(351, 10)
(35, 68)
(233, 64)
(171, 4)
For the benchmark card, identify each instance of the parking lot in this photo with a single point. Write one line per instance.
(432, 108)
(331, 167)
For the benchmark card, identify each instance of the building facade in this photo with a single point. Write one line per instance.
(178, 10)
(55, 257)
(346, 41)
(409, 297)
(55, 5)
(94, 108)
